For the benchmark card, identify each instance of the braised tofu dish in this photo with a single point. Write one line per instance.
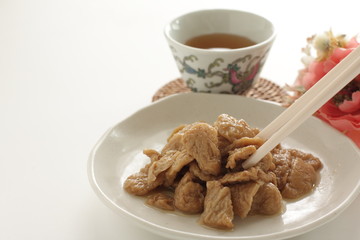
(199, 171)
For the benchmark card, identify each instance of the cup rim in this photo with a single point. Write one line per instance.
(262, 43)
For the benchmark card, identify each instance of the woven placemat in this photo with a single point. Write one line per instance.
(262, 89)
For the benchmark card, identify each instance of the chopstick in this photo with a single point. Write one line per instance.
(290, 119)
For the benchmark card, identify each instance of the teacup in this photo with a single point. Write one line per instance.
(217, 67)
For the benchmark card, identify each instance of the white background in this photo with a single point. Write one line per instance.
(71, 69)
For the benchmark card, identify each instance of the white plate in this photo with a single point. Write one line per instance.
(119, 154)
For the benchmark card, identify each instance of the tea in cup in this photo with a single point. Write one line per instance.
(220, 51)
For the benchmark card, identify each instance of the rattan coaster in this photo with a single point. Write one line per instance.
(262, 89)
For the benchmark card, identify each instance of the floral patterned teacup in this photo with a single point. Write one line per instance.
(220, 70)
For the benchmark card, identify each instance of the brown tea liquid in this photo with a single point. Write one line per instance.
(219, 40)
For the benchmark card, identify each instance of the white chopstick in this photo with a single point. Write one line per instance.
(306, 105)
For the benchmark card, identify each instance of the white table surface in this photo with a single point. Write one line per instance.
(71, 69)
